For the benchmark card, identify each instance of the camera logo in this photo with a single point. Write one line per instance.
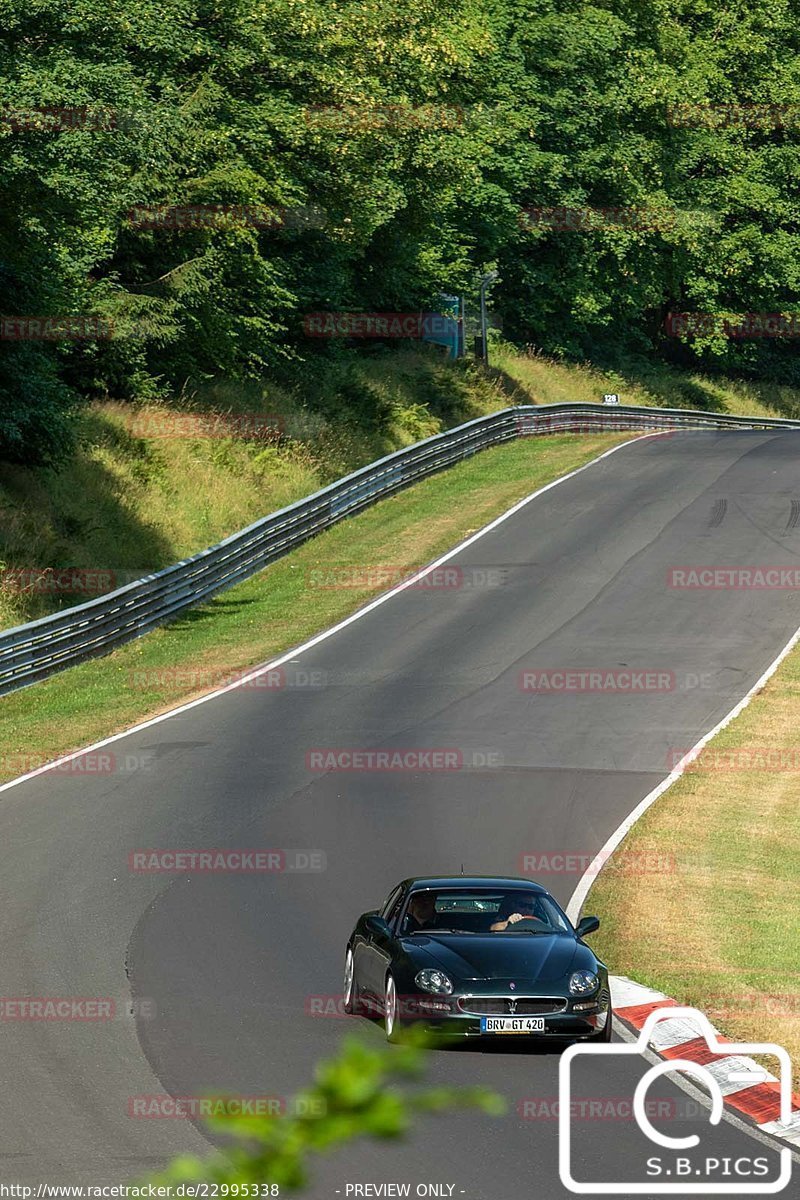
(726, 1068)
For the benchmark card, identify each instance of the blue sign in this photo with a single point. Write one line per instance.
(446, 328)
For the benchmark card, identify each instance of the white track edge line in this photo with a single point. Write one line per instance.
(596, 865)
(687, 1085)
(659, 1053)
(590, 874)
(326, 633)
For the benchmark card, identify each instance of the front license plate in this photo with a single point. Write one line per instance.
(512, 1024)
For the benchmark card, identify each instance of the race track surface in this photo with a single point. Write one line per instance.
(225, 968)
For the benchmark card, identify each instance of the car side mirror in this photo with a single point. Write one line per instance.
(587, 925)
(378, 927)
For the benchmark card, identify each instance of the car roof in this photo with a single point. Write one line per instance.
(471, 881)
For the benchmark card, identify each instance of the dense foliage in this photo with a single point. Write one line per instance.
(392, 147)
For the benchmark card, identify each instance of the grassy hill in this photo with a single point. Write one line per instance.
(559, 382)
(147, 486)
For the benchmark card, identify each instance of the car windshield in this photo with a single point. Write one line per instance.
(482, 910)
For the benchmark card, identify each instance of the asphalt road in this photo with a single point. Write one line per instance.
(225, 970)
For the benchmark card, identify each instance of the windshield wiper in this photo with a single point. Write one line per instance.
(439, 930)
(431, 932)
(480, 933)
(535, 932)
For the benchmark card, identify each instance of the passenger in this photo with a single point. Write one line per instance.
(421, 912)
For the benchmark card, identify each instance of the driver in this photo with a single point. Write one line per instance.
(421, 912)
(524, 908)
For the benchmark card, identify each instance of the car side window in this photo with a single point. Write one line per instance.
(394, 909)
(394, 896)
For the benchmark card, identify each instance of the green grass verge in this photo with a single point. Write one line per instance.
(718, 929)
(281, 606)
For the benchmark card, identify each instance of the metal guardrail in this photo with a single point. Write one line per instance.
(34, 651)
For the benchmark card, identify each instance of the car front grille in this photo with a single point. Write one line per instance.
(511, 1006)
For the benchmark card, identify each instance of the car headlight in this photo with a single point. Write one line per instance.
(434, 981)
(583, 982)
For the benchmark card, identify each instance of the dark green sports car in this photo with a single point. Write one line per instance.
(477, 957)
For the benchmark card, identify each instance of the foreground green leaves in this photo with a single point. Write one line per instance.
(362, 1092)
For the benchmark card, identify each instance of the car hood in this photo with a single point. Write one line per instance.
(535, 958)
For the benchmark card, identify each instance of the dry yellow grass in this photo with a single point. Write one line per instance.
(141, 492)
(548, 381)
(129, 505)
(721, 931)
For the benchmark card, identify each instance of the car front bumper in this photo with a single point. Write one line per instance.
(445, 1016)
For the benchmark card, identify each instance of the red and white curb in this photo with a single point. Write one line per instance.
(685, 1038)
